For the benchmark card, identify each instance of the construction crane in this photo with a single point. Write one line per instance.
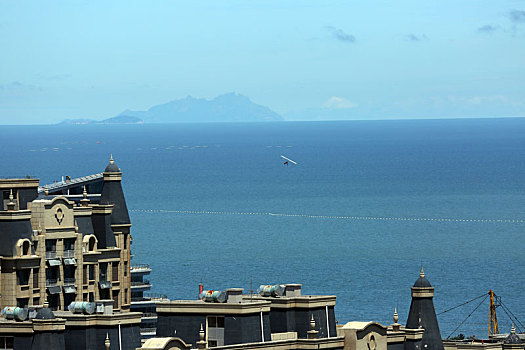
(493, 318)
(495, 302)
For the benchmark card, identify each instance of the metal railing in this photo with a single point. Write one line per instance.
(155, 296)
(51, 282)
(51, 255)
(68, 182)
(140, 283)
(148, 330)
(140, 267)
(69, 281)
(70, 253)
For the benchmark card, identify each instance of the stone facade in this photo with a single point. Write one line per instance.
(62, 244)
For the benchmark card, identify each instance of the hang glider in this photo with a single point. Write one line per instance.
(288, 160)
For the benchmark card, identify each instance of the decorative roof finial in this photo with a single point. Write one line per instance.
(11, 204)
(107, 343)
(85, 201)
(513, 329)
(201, 333)
(201, 344)
(46, 191)
(422, 273)
(111, 161)
(312, 333)
(396, 316)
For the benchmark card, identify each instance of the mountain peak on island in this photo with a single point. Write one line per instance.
(229, 107)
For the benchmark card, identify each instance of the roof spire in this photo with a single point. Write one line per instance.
(513, 329)
(46, 191)
(84, 193)
(422, 273)
(111, 161)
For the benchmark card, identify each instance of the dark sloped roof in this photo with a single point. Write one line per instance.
(422, 282)
(45, 314)
(112, 168)
(513, 338)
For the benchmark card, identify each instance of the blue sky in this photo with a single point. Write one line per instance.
(304, 59)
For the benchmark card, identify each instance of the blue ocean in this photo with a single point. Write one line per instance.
(367, 204)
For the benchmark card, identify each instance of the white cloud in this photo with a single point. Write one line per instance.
(335, 102)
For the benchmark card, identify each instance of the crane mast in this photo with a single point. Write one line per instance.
(493, 319)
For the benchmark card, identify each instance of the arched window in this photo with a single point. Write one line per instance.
(26, 248)
(92, 244)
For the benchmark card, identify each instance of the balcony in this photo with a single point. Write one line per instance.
(142, 268)
(69, 281)
(51, 282)
(140, 286)
(51, 254)
(68, 253)
(148, 297)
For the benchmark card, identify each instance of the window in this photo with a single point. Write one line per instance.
(52, 276)
(22, 302)
(125, 296)
(91, 269)
(7, 343)
(69, 247)
(51, 248)
(103, 272)
(115, 299)
(26, 248)
(22, 277)
(36, 273)
(68, 299)
(69, 274)
(85, 275)
(125, 268)
(92, 244)
(36, 301)
(54, 301)
(114, 271)
(125, 241)
(215, 331)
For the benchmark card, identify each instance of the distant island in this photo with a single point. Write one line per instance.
(124, 119)
(230, 107)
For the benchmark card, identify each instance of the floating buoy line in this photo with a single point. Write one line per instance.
(331, 217)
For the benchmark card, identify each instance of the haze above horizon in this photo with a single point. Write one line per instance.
(306, 60)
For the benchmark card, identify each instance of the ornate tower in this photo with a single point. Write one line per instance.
(423, 315)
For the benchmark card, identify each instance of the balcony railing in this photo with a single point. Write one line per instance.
(51, 255)
(140, 267)
(51, 282)
(140, 283)
(69, 281)
(70, 253)
(148, 331)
